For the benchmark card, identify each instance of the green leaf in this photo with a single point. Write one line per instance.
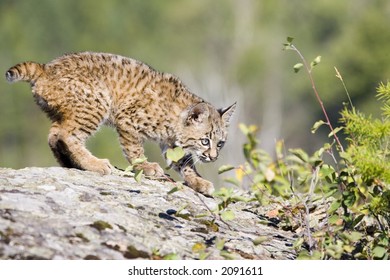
(384, 242)
(129, 169)
(288, 45)
(316, 61)
(346, 156)
(354, 236)
(138, 175)
(300, 154)
(317, 125)
(298, 243)
(228, 256)
(227, 215)
(358, 219)
(379, 252)
(244, 129)
(138, 161)
(349, 198)
(219, 243)
(337, 129)
(171, 256)
(248, 130)
(261, 239)
(314, 255)
(334, 220)
(324, 148)
(175, 154)
(327, 171)
(334, 206)
(203, 255)
(297, 67)
(173, 190)
(225, 168)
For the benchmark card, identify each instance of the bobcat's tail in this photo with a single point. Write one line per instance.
(26, 71)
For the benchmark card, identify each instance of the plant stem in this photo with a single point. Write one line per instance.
(338, 75)
(308, 69)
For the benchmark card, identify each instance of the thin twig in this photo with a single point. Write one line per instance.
(308, 69)
(338, 75)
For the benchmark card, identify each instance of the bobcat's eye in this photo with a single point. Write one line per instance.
(205, 141)
(220, 144)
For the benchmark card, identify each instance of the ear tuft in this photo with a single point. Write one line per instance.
(226, 113)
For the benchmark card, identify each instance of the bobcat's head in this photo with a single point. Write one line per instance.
(203, 130)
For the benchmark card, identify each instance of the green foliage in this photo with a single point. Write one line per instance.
(369, 141)
(384, 95)
(298, 66)
(101, 225)
(132, 170)
(354, 193)
(175, 154)
(340, 209)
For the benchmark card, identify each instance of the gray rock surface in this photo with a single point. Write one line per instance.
(57, 213)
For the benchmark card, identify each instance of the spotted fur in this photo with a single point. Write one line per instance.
(82, 91)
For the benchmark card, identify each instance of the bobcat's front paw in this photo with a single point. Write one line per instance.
(102, 166)
(152, 169)
(201, 185)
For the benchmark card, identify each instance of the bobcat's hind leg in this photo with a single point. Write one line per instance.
(68, 146)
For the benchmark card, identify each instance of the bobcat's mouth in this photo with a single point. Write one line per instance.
(205, 158)
(198, 156)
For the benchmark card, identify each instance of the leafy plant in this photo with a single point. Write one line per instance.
(339, 208)
(132, 170)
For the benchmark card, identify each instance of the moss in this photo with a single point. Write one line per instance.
(209, 224)
(133, 253)
(101, 225)
(82, 237)
(105, 193)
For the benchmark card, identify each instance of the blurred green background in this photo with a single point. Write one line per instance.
(223, 50)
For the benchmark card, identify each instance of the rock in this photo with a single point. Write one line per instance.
(58, 213)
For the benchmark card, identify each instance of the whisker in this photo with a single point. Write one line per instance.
(187, 161)
(195, 162)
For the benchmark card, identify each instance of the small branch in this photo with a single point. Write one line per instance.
(308, 69)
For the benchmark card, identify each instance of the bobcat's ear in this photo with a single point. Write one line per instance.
(226, 113)
(197, 114)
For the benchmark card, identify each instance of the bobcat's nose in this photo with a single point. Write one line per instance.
(208, 158)
(213, 155)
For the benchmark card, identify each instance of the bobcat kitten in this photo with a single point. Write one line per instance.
(81, 91)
